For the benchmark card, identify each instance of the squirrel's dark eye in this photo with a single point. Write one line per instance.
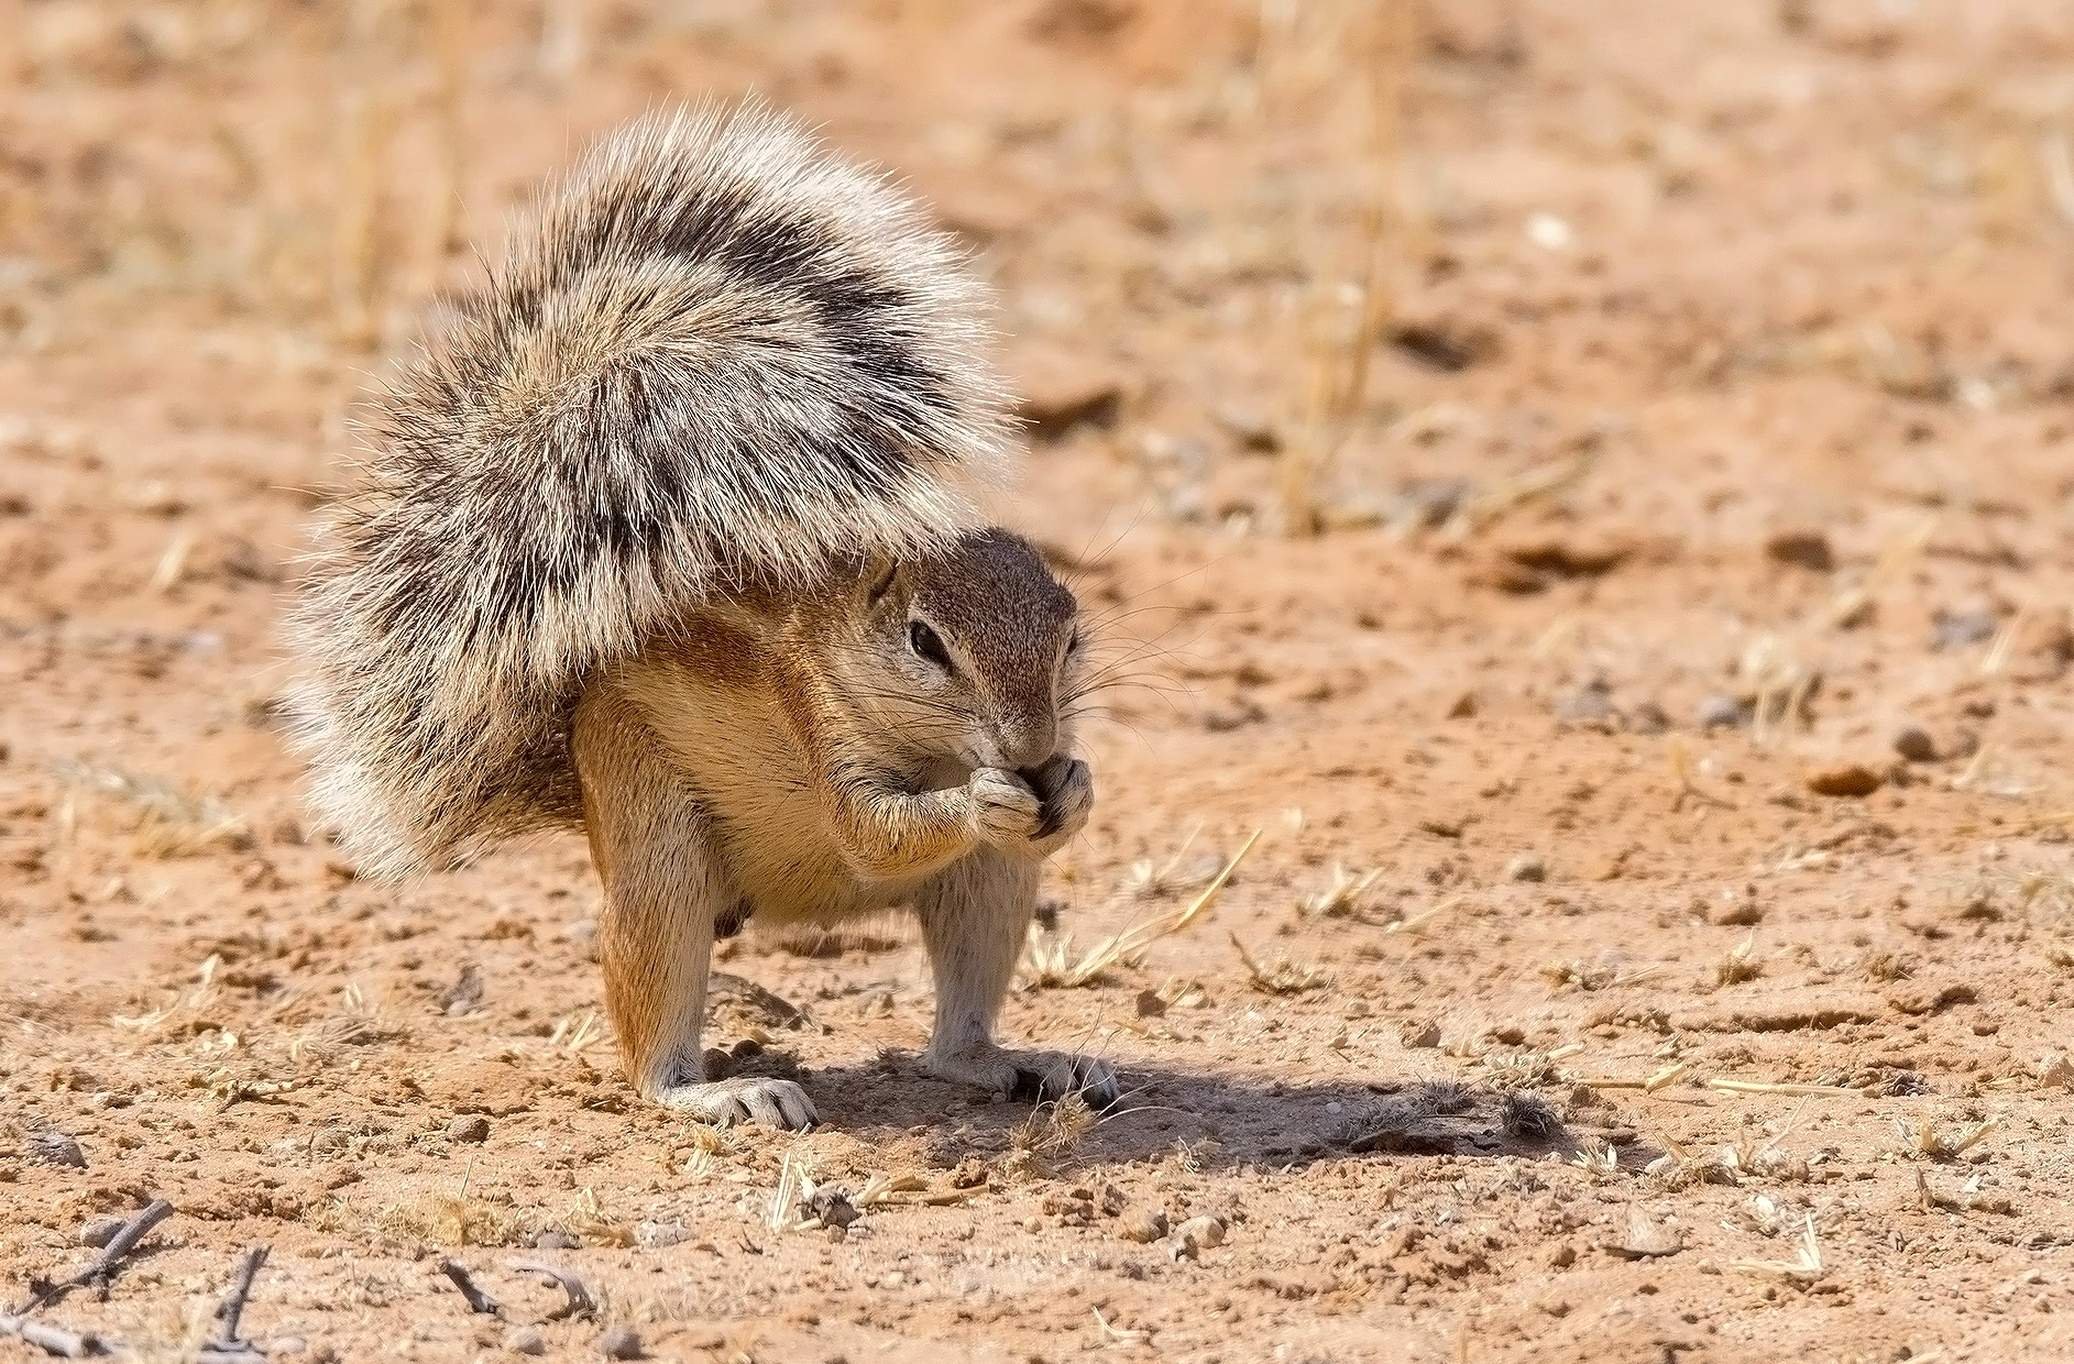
(1073, 644)
(927, 644)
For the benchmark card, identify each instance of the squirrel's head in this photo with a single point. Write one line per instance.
(966, 653)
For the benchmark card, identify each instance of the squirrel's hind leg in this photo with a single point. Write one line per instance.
(975, 918)
(664, 895)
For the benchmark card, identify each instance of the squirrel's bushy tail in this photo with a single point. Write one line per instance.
(716, 356)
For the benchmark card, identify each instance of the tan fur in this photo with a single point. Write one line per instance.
(754, 756)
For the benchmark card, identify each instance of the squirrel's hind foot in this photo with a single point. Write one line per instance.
(747, 1098)
(1032, 1076)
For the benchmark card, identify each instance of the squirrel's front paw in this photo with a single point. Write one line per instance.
(1005, 813)
(1067, 790)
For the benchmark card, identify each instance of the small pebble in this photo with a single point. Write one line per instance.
(1648, 718)
(1417, 1034)
(1844, 779)
(1526, 867)
(469, 1127)
(1801, 548)
(1589, 707)
(55, 1148)
(621, 1342)
(1141, 1226)
(556, 1239)
(657, 1235)
(1720, 711)
(526, 1340)
(1915, 744)
(1957, 629)
(99, 1232)
(1197, 1233)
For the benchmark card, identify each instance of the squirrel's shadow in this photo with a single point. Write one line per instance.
(1202, 1120)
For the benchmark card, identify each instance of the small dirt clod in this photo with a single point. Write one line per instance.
(469, 1127)
(1143, 1225)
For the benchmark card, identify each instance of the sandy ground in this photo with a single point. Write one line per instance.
(1628, 982)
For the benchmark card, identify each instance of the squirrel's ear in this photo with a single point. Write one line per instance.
(881, 571)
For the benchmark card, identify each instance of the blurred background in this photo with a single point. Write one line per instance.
(1588, 484)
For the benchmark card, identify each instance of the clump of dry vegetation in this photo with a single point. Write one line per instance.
(1051, 963)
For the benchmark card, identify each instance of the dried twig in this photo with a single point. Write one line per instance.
(581, 1305)
(478, 1301)
(53, 1340)
(99, 1274)
(232, 1308)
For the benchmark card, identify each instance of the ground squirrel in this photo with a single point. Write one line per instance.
(667, 532)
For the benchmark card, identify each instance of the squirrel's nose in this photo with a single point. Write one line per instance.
(1028, 743)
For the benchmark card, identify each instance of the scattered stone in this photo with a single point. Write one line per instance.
(831, 1207)
(1526, 867)
(1194, 1235)
(469, 1127)
(1150, 1005)
(621, 1342)
(1721, 711)
(1845, 779)
(526, 1340)
(556, 1239)
(55, 1148)
(1648, 718)
(1807, 549)
(1419, 1035)
(464, 996)
(99, 1232)
(1463, 707)
(1253, 432)
(1143, 1225)
(658, 1235)
(2056, 1072)
(1426, 503)
(1915, 745)
(1957, 629)
(1445, 344)
(1646, 1237)
(1589, 707)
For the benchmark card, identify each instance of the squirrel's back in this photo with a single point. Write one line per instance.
(716, 358)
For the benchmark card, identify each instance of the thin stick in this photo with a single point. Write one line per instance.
(232, 1307)
(478, 1301)
(580, 1305)
(53, 1340)
(101, 1272)
(1761, 1087)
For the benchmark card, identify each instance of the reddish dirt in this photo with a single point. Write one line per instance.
(1663, 284)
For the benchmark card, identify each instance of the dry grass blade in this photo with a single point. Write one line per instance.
(1803, 1268)
(1932, 1142)
(1739, 965)
(1764, 1087)
(1284, 977)
(1688, 781)
(1052, 965)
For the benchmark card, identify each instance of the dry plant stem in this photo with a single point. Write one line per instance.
(1761, 1087)
(232, 1308)
(1340, 358)
(479, 1302)
(581, 1305)
(55, 1340)
(101, 1272)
